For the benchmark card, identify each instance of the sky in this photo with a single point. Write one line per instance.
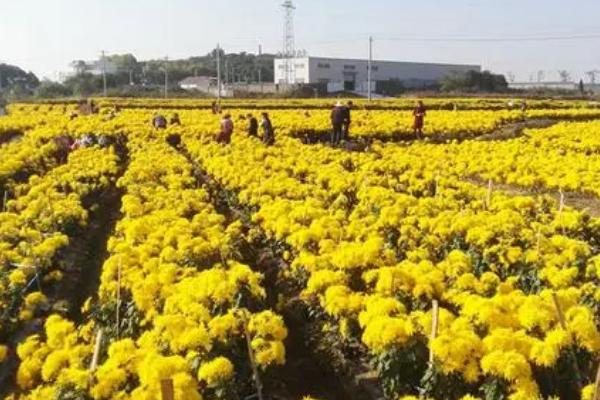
(44, 36)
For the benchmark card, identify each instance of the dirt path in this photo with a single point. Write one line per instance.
(576, 200)
(516, 129)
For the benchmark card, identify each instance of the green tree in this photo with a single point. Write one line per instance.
(84, 84)
(49, 89)
(474, 81)
(15, 82)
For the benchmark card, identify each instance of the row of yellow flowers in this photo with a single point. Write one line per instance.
(374, 238)
(172, 260)
(392, 104)
(36, 226)
(563, 157)
(375, 124)
(413, 233)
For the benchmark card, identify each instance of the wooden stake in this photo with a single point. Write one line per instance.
(166, 389)
(562, 201)
(4, 200)
(119, 297)
(257, 381)
(94, 362)
(561, 206)
(488, 198)
(597, 386)
(559, 312)
(435, 311)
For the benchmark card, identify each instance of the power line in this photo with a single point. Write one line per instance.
(494, 39)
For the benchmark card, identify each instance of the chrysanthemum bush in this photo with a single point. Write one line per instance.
(372, 238)
(37, 224)
(381, 237)
(563, 157)
(187, 304)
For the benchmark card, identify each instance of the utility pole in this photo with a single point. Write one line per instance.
(226, 70)
(370, 68)
(166, 77)
(218, 73)
(258, 60)
(104, 72)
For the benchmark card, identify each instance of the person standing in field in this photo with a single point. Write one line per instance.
(337, 120)
(268, 132)
(175, 120)
(419, 119)
(523, 106)
(347, 119)
(226, 130)
(159, 121)
(252, 125)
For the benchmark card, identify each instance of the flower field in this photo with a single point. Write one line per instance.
(401, 271)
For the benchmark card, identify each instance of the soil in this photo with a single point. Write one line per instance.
(516, 129)
(10, 136)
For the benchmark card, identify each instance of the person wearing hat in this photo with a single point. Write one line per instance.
(338, 115)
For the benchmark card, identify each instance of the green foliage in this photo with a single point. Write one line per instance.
(494, 389)
(134, 78)
(15, 82)
(49, 90)
(437, 385)
(391, 87)
(474, 81)
(401, 370)
(72, 393)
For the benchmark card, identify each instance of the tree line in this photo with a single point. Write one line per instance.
(127, 76)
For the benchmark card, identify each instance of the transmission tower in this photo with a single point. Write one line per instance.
(289, 46)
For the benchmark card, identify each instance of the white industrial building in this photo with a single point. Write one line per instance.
(352, 75)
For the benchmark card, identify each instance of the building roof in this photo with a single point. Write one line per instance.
(196, 80)
(382, 61)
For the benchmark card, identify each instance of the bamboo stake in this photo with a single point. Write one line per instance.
(559, 312)
(488, 198)
(563, 324)
(435, 311)
(560, 210)
(166, 389)
(257, 381)
(94, 362)
(119, 297)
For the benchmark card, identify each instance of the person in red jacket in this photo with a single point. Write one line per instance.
(226, 130)
(419, 114)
